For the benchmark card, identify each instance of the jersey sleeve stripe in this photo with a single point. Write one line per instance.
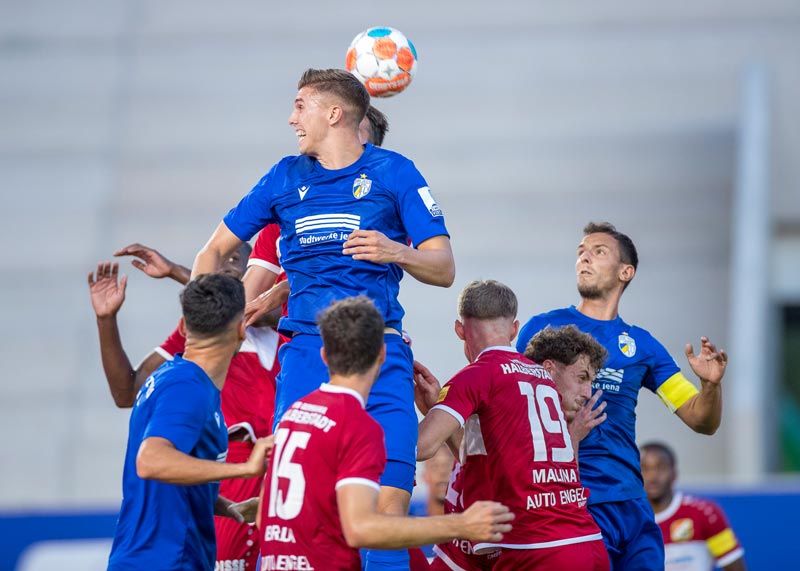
(358, 482)
(163, 352)
(721, 543)
(264, 264)
(675, 391)
(451, 412)
(730, 557)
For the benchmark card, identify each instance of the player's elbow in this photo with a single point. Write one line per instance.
(425, 450)
(707, 428)
(356, 533)
(123, 401)
(447, 273)
(147, 465)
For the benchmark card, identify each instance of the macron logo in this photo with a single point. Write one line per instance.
(302, 191)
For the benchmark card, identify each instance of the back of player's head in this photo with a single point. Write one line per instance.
(627, 250)
(487, 299)
(661, 448)
(565, 345)
(211, 303)
(378, 126)
(352, 335)
(342, 85)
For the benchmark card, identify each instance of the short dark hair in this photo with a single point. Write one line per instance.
(378, 126)
(210, 303)
(564, 345)
(627, 250)
(352, 334)
(660, 447)
(340, 83)
(487, 299)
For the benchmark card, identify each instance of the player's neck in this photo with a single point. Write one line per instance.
(479, 347)
(359, 383)
(340, 152)
(603, 309)
(214, 360)
(663, 503)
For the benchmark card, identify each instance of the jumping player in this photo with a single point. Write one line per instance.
(697, 535)
(510, 411)
(321, 489)
(606, 264)
(346, 212)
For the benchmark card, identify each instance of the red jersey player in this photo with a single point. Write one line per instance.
(510, 409)
(321, 488)
(697, 535)
(247, 396)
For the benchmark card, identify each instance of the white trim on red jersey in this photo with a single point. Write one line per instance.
(329, 388)
(726, 560)
(163, 352)
(357, 482)
(246, 426)
(451, 412)
(544, 545)
(506, 348)
(446, 560)
(263, 341)
(264, 264)
(670, 510)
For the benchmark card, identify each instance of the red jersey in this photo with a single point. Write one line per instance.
(521, 428)
(697, 536)
(265, 250)
(248, 396)
(324, 441)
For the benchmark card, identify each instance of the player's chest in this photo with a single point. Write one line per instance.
(625, 367)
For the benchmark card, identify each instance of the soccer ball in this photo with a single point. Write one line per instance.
(383, 59)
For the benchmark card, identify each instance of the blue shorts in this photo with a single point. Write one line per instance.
(632, 537)
(391, 401)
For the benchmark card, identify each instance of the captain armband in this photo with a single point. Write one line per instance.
(675, 391)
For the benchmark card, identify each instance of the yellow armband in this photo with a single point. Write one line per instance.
(721, 543)
(675, 391)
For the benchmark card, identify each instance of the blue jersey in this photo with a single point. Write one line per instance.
(317, 209)
(609, 458)
(166, 526)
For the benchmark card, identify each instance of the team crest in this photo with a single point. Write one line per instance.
(361, 186)
(627, 345)
(681, 530)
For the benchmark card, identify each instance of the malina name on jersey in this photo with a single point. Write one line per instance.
(524, 369)
(279, 533)
(550, 475)
(309, 414)
(551, 499)
(286, 563)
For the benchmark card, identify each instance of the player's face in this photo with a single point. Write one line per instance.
(658, 475)
(309, 119)
(574, 384)
(598, 266)
(234, 266)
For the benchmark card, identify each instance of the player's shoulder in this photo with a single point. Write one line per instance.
(554, 317)
(700, 507)
(390, 164)
(643, 339)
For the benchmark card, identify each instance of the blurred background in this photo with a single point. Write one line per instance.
(126, 120)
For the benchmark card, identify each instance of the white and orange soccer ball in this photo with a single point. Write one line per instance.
(383, 59)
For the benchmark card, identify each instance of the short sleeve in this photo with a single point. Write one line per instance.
(463, 394)
(265, 251)
(421, 215)
(720, 539)
(254, 211)
(174, 344)
(531, 328)
(362, 456)
(179, 414)
(660, 367)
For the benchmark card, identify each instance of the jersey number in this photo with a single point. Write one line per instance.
(541, 421)
(288, 506)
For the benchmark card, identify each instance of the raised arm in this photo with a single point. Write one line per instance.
(154, 264)
(703, 411)
(431, 262)
(363, 527)
(219, 247)
(107, 292)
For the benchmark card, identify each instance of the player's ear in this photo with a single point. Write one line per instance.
(242, 329)
(335, 113)
(182, 327)
(322, 354)
(549, 366)
(382, 355)
(626, 273)
(515, 332)
(459, 329)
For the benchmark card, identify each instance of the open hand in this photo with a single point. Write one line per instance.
(244, 512)
(107, 289)
(373, 246)
(486, 521)
(426, 388)
(587, 418)
(148, 260)
(266, 303)
(710, 364)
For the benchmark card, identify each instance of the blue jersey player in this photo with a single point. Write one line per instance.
(178, 440)
(609, 458)
(353, 219)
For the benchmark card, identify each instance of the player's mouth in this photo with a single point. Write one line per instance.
(300, 134)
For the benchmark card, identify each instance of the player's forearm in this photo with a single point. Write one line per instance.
(172, 466)
(257, 280)
(120, 375)
(704, 410)
(379, 531)
(207, 261)
(180, 274)
(429, 266)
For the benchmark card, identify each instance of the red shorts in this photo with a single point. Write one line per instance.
(457, 556)
(586, 556)
(237, 543)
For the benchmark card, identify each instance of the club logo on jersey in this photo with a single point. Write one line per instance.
(681, 530)
(216, 417)
(361, 186)
(627, 345)
(302, 191)
(430, 203)
(325, 228)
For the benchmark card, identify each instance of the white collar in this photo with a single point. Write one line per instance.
(506, 348)
(670, 509)
(329, 388)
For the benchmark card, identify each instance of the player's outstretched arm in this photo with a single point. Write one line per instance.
(154, 264)
(158, 459)
(107, 292)
(431, 262)
(434, 430)
(265, 308)
(703, 412)
(364, 527)
(219, 247)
